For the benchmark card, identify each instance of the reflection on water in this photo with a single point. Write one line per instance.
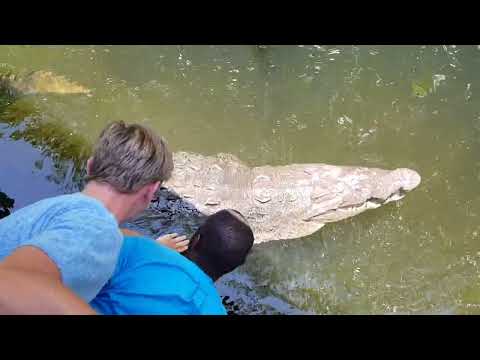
(381, 106)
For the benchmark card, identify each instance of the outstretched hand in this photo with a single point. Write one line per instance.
(175, 242)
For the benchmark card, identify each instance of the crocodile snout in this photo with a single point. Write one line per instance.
(410, 179)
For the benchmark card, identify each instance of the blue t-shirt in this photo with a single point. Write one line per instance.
(152, 279)
(78, 234)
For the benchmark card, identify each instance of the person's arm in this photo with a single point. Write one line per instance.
(173, 241)
(30, 283)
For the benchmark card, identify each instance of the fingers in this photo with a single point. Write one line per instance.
(179, 239)
(167, 237)
(182, 249)
(182, 243)
(175, 242)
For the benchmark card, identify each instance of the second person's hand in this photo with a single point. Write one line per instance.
(174, 241)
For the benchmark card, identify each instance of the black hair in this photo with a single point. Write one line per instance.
(221, 243)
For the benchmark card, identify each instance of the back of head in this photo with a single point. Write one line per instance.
(221, 244)
(127, 157)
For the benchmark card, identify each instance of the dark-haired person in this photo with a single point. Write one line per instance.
(56, 254)
(154, 279)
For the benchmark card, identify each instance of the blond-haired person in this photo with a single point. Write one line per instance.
(56, 254)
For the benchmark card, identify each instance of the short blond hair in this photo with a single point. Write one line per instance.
(129, 156)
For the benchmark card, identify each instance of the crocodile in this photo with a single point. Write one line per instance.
(17, 84)
(279, 202)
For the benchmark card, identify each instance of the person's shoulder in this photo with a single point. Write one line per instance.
(145, 257)
(144, 250)
(66, 199)
(79, 201)
(82, 208)
(77, 216)
(64, 204)
(64, 209)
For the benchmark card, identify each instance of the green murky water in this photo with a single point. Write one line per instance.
(382, 106)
